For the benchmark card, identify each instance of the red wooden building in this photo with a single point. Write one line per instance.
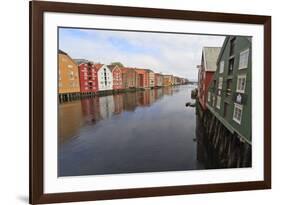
(117, 76)
(88, 77)
(206, 71)
(142, 78)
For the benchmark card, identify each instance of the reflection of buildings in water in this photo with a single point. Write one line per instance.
(106, 106)
(158, 93)
(168, 90)
(140, 98)
(118, 103)
(151, 96)
(70, 114)
(130, 101)
(146, 98)
(91, 109)
(175, 90)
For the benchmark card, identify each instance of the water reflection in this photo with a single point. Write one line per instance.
(73, 115)
(142, 131)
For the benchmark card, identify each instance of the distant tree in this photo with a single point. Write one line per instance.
(117, 63)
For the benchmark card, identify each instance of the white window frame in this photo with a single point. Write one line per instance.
(220, 82)
(221, 67)
(237, 106)
(218, 103)
(238, 88)
(245, 65)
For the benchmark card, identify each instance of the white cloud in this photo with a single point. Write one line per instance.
(176, 54)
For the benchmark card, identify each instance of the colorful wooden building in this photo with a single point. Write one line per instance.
(117, 77)
(141, 78)
(88, 77)
(206, 71)
(105, 79)
(68, 76)
(168, 80)
(159, 79)
(129, 77)
(229, 96)
(151, 78)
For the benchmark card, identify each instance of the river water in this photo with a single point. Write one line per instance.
(143, 131)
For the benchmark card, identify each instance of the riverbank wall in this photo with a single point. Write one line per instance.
(66, 97)
(217, 146)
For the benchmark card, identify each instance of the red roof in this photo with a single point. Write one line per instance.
(98, 66)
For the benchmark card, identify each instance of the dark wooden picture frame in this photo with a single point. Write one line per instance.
(37, 9)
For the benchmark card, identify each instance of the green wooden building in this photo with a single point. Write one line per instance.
(229, 95)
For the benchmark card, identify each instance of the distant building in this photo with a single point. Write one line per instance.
(159, 79)
(105, 79)
(68, 74)
(177, 80)
(88, 76)
(206, 71)
(168, 80)
(229, 96)
(142, 80)
(151, 78)
(117, 77)
(128, 77)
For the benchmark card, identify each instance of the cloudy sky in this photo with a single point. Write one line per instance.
(176, 54)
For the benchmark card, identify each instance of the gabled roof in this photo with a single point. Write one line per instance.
(62, 52)
(210, 55)
(98, 66)
(112, 67)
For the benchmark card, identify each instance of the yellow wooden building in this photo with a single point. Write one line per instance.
(68, 75)
(168, 80)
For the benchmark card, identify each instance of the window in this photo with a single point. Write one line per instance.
(218, 105)
(209, 96)
(70, 66)
(241, 83)
(243, 60)
(230, 66)
(226, 105)
(220, 83)
(232, 46)
(228, 86)
(221, 66)
(215, 84)
(71, 75)
(237, 113)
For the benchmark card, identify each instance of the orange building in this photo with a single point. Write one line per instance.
(68, 76)
(168, 80)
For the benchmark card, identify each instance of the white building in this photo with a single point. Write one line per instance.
(105, 79)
